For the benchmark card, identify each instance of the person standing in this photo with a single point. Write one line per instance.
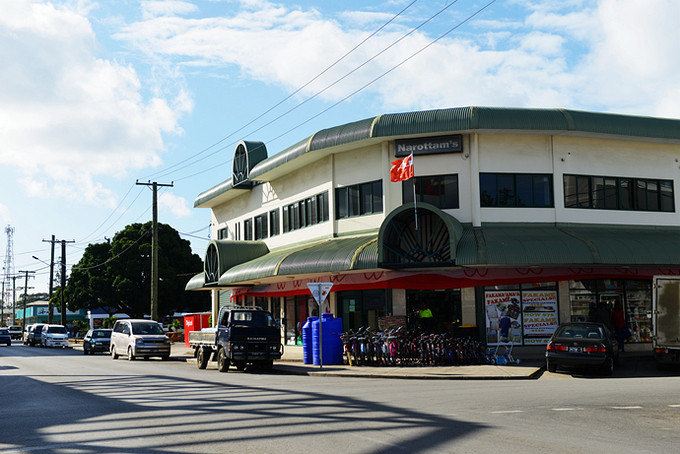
(619, 324)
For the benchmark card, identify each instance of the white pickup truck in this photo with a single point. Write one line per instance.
(666, 321)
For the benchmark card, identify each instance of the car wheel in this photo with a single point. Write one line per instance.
(85, 352)
(551, 366)
(114, 355)
(130, 355)
(202, 358)
(222, 361)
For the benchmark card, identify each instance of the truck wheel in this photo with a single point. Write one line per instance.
(266, 366)
(222, 360)
(202, 358)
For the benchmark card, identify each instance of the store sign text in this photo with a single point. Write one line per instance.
(429, 145)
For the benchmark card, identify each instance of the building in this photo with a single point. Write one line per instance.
(38, 312)
(534, 216)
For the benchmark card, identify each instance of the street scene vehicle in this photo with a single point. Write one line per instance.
(666, 312)
(25, 334)
(243, 337)
(5, 337)
(139, 339)
(54, 336)
(15, 332)
(582, 346)
(96, 341)
(35, 335)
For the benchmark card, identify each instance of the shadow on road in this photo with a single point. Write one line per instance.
(154, 414)
(629, 367)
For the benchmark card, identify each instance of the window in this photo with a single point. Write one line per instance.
(261, 226)
(505, 190)
(304, 213)
(248, 229)
(222, 234)
(274, 222)
(359, 199)
(617, 193)
(438, 190)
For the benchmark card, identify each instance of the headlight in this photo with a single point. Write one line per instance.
(139, 341)
(166, 341)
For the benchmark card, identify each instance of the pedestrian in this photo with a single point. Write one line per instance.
(619, 323)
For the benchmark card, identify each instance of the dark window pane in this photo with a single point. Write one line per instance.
(487, 188)
(377, 196)
(354, 201)
(597, 188)
(366, 192)
(286, 220)
(570, 191)
(583, 191)
(666, 191)
(640, 195)
(308, 207)
(324, 206)
(506, 190)
(542, 190)
(625, 194)
(652, 195)
(523, 191)
(248, 229)
(610, 193)
(296, 216)
(313, 210)
(407, 191)
(274, 222)
(341, 203)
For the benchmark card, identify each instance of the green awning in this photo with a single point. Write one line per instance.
(329, 256)
(196, 283)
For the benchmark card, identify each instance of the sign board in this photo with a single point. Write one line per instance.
(320, 290)
(428, 145)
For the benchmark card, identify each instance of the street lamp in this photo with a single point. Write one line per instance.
(40, 260)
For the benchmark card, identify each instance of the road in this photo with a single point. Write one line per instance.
(62, 401)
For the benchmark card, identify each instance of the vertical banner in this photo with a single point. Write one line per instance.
(503, 317)
(539, 309)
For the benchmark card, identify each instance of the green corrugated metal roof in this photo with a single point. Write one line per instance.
(464, 119)
(196, 283)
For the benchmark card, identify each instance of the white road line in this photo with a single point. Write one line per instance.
(674, 405)
(631, 407)
(506, 411)
(567, 409)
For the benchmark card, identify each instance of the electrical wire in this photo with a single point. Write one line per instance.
(84, 239)
(76, 267)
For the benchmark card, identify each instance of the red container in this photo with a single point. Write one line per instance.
(195, 322)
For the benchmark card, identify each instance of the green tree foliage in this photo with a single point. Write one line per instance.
(117, 275)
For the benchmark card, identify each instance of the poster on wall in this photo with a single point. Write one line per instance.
(539, 308)
(503, 317)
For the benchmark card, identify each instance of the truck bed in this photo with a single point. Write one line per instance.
(206, 336)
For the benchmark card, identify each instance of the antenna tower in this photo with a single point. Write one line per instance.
(8, 266)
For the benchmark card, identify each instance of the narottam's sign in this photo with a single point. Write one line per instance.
(429, 145)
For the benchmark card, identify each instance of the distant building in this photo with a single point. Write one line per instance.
(38, 312)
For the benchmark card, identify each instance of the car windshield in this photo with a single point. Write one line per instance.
(252, 318)
(147, 328)
(580, 332)
(56, 330)
(101, 334)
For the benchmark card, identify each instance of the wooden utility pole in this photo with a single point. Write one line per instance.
(154, 244)
(50, 313)
(23, 319)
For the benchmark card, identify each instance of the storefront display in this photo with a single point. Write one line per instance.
(503, 317)
(539, 311)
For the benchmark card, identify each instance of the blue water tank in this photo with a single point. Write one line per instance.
(332, 344)
(307, 340)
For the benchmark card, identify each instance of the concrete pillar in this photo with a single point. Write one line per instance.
(214, 305)
(467, 302)
(475, 198)
(398, 301)
(564, 302)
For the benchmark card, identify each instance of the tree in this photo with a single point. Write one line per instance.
(117, 275)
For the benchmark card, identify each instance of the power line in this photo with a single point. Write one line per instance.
(84, 239)
(167, 171)
(83, 268)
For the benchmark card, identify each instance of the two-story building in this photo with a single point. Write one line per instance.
(539, 215)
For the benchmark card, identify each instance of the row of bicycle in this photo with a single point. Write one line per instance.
(402, 347)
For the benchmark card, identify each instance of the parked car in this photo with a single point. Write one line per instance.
(582, 346)
(97, 340)
(139, 338)
(26, 333)
(35, 335)
(5, 337)
(15, 332)
(54, 336)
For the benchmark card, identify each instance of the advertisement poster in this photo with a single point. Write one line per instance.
(503, 317)
(539, 309)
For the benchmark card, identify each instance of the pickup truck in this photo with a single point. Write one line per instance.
(243, 337)
(666, 297)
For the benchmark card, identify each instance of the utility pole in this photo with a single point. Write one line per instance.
(23, 319)
(14, 299)
(63, 280)
(154, 244)
(2, 308)
(50, 312)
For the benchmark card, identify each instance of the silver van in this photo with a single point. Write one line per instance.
(139, 338)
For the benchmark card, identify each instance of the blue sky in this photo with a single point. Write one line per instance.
(97, 94)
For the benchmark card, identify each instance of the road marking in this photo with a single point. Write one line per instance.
(567, 409)
(506, 411)
(631, 407)
(674, 405)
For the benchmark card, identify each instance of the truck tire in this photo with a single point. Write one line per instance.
(202, 357)
(266, 366)
(222, 360)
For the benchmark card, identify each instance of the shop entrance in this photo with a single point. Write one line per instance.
(444, 306)
(362, 308)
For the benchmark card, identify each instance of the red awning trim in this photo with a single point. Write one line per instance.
(458, 278)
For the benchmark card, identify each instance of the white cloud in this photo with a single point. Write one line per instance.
(366, 17)
(175, 204)
(153, 8)
(68, 117)
(5, 217)
(610, 55)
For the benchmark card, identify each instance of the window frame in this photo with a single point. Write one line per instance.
(248, 229)
(306, 212)
(407, 188)
(274, 222)
(532, 179)
(367, 194)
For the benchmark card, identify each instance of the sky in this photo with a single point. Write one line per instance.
(97, 94)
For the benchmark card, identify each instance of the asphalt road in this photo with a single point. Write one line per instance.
(62, 401)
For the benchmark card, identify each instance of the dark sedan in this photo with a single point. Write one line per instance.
(5, 337)
(96, 340)
(15, 332)
(582, 346)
